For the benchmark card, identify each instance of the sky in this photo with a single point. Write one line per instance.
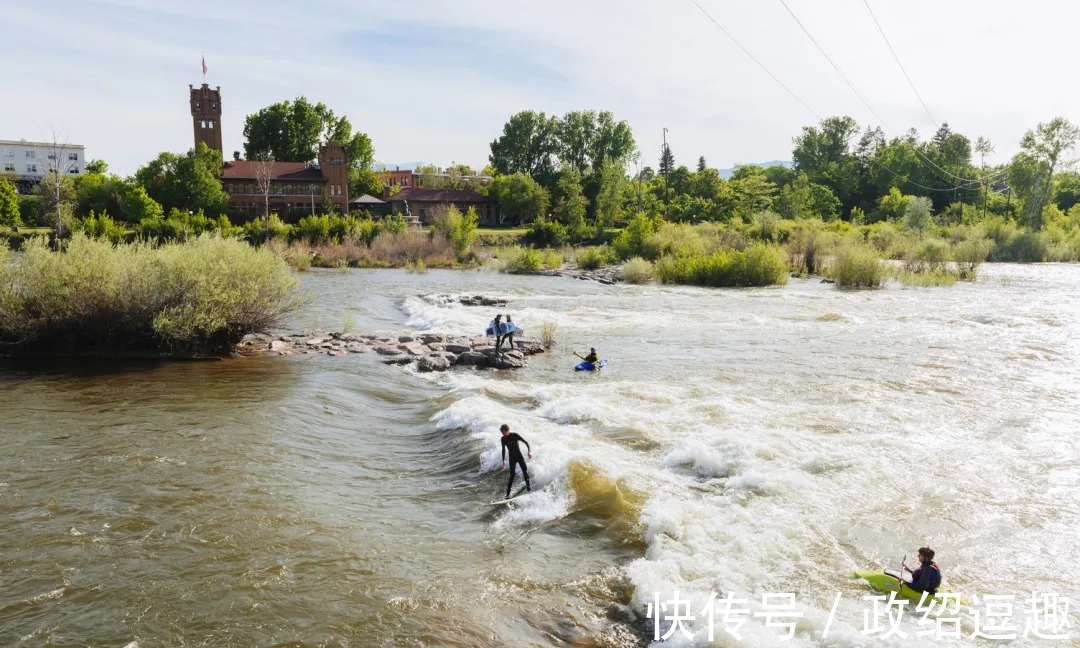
(435, 81)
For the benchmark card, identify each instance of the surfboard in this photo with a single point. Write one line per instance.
(505, 328)
(510, 499)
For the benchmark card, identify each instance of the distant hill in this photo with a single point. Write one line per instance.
(726, 173)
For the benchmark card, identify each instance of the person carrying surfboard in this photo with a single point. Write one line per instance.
(510, 326)
(496, 329)
(927, 577)
(510, 443)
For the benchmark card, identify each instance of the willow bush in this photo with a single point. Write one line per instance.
(197, 297)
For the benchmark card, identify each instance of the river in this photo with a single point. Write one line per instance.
(750, 441)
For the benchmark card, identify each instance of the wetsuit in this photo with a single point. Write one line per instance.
(592, 358)
(509, 337)
(496, 327)
(927, 578)
(510, 442)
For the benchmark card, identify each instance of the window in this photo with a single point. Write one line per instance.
(11, 152)
(210, 124)
(52, 156)
(74, 170)
(30, 155)
(198, 104)
(213, 105)
(74, 157)
(31, 168)
(9, 167)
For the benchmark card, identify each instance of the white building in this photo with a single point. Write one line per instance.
(28, 162)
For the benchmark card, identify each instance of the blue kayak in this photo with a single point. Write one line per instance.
(588, 366)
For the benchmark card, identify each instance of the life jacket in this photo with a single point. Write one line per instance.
(927, 578)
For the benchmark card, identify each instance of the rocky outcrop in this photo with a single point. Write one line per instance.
(429, 351)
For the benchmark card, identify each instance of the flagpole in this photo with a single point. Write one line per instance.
(204, 68)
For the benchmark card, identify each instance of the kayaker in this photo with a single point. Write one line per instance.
(927, 577)
(592, 358)
(510, 444)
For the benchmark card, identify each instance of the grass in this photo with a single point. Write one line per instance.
(519, 260)
(594, 258)
(197, 297)
(758, 265)
(930, 278)
(547, 333)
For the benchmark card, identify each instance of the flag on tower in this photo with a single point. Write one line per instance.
(204, 65)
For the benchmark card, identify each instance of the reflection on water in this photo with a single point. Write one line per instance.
(745, 440)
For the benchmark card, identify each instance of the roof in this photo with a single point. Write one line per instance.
(367, 199)
(439, 196)
(245, 170)
(59, 145)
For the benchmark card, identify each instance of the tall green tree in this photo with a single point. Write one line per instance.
(667, 161)
(752, 193)
(521, 199)
(701, 164)
(612, 194)
(568, 203)
(824, 154)
(292, 130)
(9, 205)
(1047, 145)
(188, 182)
(528, 144)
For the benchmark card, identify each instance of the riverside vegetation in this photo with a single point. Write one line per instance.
(94, 297)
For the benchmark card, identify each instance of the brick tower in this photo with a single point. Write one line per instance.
(334, 165)
(206, 115)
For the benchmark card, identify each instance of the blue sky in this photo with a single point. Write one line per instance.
(435, 81)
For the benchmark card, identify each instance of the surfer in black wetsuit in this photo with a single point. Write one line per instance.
(509, 337)
(496, 328)
(510, 442)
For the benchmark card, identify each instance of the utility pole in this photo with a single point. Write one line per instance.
(667, 171)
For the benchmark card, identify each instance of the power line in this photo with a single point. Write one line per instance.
(897, 59)
(754, 59)
(858, 94)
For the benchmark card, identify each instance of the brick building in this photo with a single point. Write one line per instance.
(296, 188)
(425, 203)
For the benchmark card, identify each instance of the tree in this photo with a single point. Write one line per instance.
(9, 205)
(569, 203)
(96, 166)
(528, 144)
(667, 160)
(983, 147)
(611, 196)
(701, 164)
(188, 182)
(264, 177)
(892, 206)
(56, 193)
(292, 130)
(823, 153)
(1046, 145)
(521, 199)
(752, 194)
(1067, 190)
(917, 213)
(136, 206)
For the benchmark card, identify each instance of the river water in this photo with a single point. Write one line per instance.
(747, 441)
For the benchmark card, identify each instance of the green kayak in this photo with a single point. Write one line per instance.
(889, 580)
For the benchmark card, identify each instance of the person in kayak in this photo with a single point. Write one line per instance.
(510, 443)
(592, 358)
(927, 577)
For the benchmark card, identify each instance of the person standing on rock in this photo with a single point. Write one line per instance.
(510, 443)
(510, 326)
(496, 330)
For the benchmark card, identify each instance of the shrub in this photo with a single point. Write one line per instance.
(517, 260)
(757, 265)
(101, 227)
(969, 255)
(857, 266)
(636, 271)
(931, 256)
(545, 233)
(459, 229)
(595, 257)
(632, 239)
(926, 279)
(196, 297)
(1026, 247)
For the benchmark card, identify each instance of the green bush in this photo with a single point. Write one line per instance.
(969, 255)
(593, 258)
(254, 231)
(929, 257)
(632, 239)
(857, 266)
(757, 265)
(196, 297)
(101, 227)
(545, 233)
(519, 260)
(929, 278)
(636, 271)
(459, 229)
(1025, 247)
